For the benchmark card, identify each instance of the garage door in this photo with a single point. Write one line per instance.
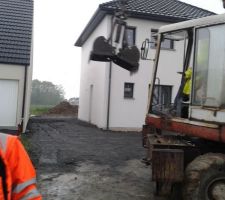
(8, 102)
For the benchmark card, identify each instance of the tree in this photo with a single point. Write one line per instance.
(46, 93)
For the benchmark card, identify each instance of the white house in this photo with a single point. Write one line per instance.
(16, 19)
(110, 96)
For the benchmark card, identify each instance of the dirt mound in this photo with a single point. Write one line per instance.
(64, 108)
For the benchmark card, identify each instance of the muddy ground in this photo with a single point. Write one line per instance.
(77, 161)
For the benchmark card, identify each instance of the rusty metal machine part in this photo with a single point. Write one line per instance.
(103, 50)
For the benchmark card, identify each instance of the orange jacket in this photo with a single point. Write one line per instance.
(20, 177)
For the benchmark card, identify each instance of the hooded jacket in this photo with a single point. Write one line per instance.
(18, 176)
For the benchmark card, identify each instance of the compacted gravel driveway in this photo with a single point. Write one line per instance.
(77, 161)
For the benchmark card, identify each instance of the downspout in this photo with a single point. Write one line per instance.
(20, 128)
(110, 80)
(109, 94)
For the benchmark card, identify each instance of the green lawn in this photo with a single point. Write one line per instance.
(39, 109)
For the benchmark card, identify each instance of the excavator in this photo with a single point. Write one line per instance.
(184, 137)
(187, 151)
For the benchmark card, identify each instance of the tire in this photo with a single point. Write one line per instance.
(205, 178)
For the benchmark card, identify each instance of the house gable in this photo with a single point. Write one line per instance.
(103, 102)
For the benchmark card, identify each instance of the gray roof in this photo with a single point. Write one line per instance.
(16, 19)
(160, 10)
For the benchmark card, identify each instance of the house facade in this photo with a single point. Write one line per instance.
(15, 63)
(112, 97)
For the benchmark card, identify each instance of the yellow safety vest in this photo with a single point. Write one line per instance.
(187, 86)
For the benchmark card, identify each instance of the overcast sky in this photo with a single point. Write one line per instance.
(57, 25)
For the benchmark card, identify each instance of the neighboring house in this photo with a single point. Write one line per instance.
(16, 21)
(111, 97)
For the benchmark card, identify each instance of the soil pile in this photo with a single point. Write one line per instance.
(64, 108)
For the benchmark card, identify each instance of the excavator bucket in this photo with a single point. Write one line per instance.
(102, 50)
(128, 58)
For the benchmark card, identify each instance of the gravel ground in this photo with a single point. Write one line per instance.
(77, 161)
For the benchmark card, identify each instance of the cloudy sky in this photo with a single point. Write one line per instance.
(57, 25)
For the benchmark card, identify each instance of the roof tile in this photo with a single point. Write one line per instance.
(159, 10)
(16, 18)
(166, 8)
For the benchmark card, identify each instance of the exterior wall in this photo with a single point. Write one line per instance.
(93, 105)
(28, 90)
(124, 114)
(15, 72)
(129, 114)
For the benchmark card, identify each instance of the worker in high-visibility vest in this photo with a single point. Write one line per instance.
(187, 86)
(186, 93)
(17, 174)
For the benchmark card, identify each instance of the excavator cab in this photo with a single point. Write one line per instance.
(174, 57)
(187, 151)
(201, 50)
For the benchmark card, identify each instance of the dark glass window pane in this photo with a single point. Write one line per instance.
(153, 38)
(129, 39)
(128, 90)
(162, 97)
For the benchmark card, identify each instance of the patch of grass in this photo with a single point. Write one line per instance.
(39, 109)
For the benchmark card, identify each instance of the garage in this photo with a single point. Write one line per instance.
(8, 103)
(16, 66)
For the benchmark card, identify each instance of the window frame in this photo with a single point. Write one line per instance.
(134, 36)
(206, 101)
(125, 95)
(161, 91)
(153, 43)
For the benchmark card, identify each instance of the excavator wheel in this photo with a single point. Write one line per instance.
(205, 178)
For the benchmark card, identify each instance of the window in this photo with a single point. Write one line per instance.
(128, 90)
(209, 77)
(166, 43)
(162, 97)
(129, 37)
